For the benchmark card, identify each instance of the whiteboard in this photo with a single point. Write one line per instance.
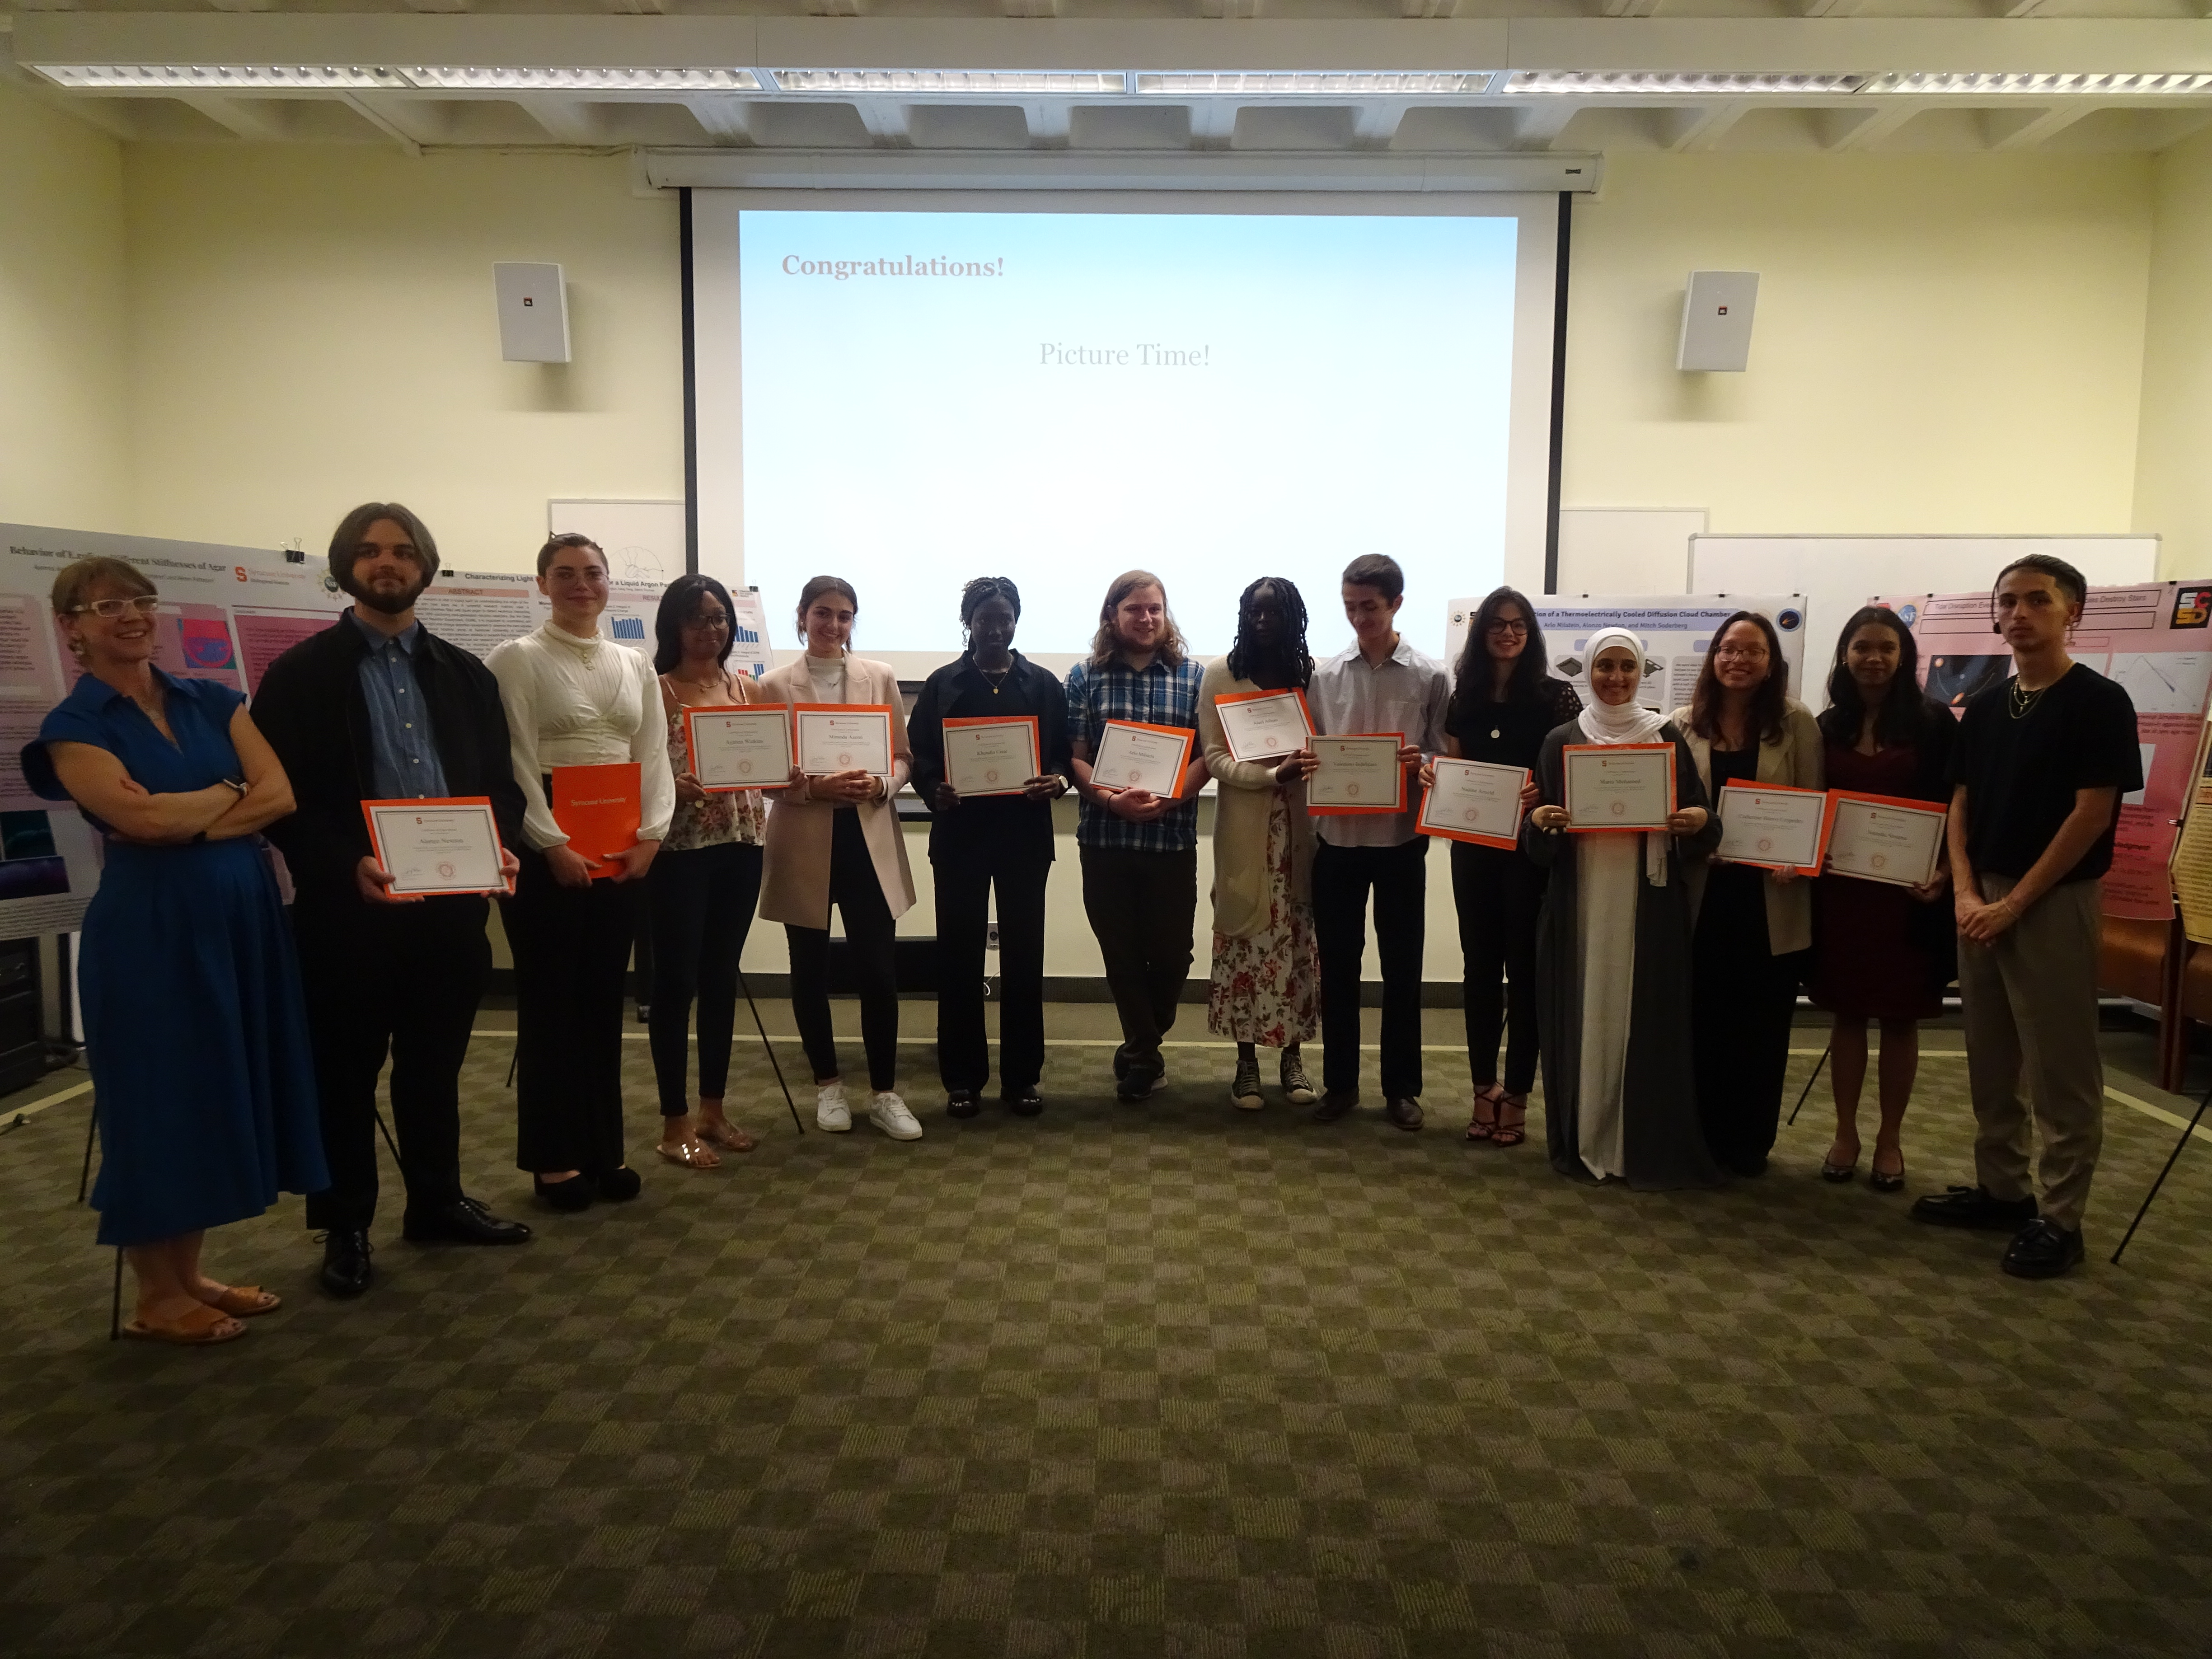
(1837, 573)
(1627, 550)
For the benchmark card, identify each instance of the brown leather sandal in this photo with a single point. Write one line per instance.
(203, 1328)
(246, 1301)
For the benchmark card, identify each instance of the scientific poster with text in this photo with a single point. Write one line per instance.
(1676, 631)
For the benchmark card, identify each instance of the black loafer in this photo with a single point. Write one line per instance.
(465, 1221)
(1973, 1207)
(574, 1193)
(962, 1102)
(1406, 1114)
(1334, 1105)
(1028, 1104)
(347, 1271)
(619, 1185)
(2043, 1249)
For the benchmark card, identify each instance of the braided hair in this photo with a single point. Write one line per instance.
(1291, 654)
(983, 589)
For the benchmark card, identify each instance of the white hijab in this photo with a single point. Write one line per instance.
(1625, 722)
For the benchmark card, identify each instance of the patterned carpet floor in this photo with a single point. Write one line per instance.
(1160, 1380)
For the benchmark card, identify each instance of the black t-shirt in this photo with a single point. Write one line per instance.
(2021, 775)
(1512, 733)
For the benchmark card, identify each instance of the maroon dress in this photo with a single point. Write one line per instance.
(1870, 957)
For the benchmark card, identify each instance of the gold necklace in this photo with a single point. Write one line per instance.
(2023, 703)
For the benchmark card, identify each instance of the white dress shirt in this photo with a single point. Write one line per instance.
(572, 701)
(1405, 692)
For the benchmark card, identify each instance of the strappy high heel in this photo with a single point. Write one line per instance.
(1511, 1134)
(1478, 1126)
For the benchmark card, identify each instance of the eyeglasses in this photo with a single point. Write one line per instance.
(138, 605)
(1516, 628)
(1742, 653)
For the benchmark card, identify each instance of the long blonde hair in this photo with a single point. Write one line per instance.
(1106, 644)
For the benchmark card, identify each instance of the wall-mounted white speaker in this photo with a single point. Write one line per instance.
(1717, 321)
(533, 314)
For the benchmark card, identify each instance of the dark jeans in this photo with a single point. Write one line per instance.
(1142, 907)
(1399, 876)
(964, 879)
(1742, 999)
(1498, 895)
(572, 948)
(701, 902)
(401, 979)
(870, 930)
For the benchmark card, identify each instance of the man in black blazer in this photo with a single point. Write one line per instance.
(377, 707)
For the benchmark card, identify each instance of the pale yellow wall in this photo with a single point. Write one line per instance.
(2173, 475)
(1944, 344)
(62, 319)
(315, 327)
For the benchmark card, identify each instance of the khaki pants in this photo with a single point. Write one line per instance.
(2031, 1007)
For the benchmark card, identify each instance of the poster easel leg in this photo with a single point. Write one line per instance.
(769, 1049)
(1809, 1082)
(2171, 1160)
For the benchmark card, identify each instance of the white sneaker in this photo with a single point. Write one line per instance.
(830, 1111)
(889, 1112)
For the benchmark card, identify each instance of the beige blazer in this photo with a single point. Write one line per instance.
(1799, 758)
(795, 881)
(1240, 820)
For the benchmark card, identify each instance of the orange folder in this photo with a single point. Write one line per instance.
(599, 808)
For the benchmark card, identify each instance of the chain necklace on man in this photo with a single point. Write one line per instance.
(2023, 703)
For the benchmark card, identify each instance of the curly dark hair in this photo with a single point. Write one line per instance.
(1769, 706)
(1290, 656)
(679, 603)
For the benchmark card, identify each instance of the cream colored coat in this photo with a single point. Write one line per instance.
(795, 881)
(1240, 819)
(1798, 758)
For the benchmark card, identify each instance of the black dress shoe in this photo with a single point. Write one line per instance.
(347, 1271)
(1973, 1207)
(962, 1102)
(619, 1185)
(2043, 1249)
(465, 1221)
(1406, 1114)
(1334, 1105)
(574, 1193)
(1028, 1104)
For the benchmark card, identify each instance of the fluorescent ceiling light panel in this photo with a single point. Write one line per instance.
(1316, 83)
(487, 78)
(1609, 83)
(2047, 86)
(211, 78)
(926, 82)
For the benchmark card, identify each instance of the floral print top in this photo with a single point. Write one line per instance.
(719, 819)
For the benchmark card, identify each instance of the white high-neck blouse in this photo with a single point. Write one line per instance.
(572, 701)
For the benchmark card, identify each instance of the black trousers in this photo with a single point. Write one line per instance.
(699, 903)
(1498, 895)
(572, 948)
(964, 879)
(1142, 907)
(1742, 999)
(1399, 878)
(403, 980)
(870, 932)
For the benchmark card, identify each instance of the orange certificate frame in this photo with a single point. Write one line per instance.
(1747, 803)
(847, 759)
(713, 712)
(1144, 760)
(1567, 769)
(599, 809)
(1291, 698)
(441, 844)
(1447, 812)
(1348, 744)
(1885, 804)
(997, 765)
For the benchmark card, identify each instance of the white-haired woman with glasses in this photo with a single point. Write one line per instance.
(194, 1028)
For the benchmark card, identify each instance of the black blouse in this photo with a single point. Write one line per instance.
(962, 691)
(1510, 733)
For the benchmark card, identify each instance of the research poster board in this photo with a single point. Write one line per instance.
(1676, 630)
(2154, 639)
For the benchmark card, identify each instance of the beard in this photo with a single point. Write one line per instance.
(391, 603)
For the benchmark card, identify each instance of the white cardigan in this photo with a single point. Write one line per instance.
(582, 703)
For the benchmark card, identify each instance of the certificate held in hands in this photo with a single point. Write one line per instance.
(447, 845)
(736, 746)
(1883, 838)
(1359, 774)
(1264, 724)
(598, 809)
(1773, 826)
(1473, 801)
(1618, 786)
(843, 736)
(1133, 755)
(988, 756)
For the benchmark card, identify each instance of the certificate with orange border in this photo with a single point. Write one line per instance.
(739, 746)
(1358, 773)
(1773, 826)
(1473, 801)
(991, 754)
(1884, 837)
(1264, 724)
(444, 844)
(1136, 754)
(843, 737)
(1618, 786)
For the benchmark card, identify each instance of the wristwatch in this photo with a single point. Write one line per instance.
(238, 785)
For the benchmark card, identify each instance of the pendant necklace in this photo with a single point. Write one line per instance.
(2023, 703)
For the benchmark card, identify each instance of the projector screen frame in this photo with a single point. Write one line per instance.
(712, 331)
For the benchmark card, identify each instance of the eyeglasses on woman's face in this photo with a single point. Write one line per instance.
(138, 605)
(1742, 653)
(1518, 627)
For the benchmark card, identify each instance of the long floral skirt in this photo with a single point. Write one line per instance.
(1267, 989)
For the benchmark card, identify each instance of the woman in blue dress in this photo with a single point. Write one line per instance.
(193, 1025)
